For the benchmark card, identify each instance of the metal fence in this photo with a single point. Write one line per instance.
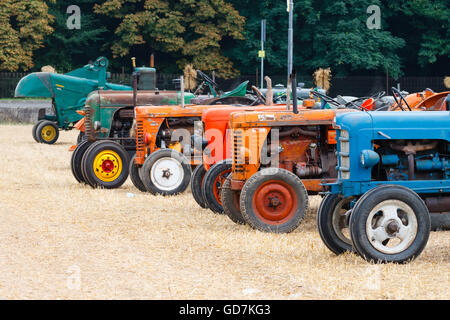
(349, 86)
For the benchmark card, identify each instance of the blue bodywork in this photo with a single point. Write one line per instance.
(360, 135)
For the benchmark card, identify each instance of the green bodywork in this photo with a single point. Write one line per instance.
(102, 106)
(67, 91)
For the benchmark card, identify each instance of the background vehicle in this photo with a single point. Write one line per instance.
(278, 158)
(68, 92)
(389, 182)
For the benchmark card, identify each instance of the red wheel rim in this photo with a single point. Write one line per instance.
(275, 202)
(218, 184)
(108, 166)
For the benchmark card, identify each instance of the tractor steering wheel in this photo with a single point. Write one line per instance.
(396, 92)
(326, 98)
(259, 95)
(207, 79)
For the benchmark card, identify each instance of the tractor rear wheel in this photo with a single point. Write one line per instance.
(134, 176)
(274, 200)
(47, 132)
(75, 161)
(166, 172)
(105, 164)
(390, 223)
(212, 185)
(196, 185)
(332, 223)
(34, 133)
(230, 202)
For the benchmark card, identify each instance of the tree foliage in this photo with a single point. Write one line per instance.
(23, 26)
(190, 29)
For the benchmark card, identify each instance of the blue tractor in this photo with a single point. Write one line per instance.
(393, 176)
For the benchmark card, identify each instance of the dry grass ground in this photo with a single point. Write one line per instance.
(168, 248)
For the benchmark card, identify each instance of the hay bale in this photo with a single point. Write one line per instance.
(322, 78)
(447, 82)
(49, 69)
(190, 77)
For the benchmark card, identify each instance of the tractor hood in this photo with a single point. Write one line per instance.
(395, 125)
(36, 84)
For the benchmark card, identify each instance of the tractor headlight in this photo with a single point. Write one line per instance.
(369, 158)
(97, 125)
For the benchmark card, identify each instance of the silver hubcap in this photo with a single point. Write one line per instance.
(167, 174)
(391, 226)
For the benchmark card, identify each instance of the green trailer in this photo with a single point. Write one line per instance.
(68, 93)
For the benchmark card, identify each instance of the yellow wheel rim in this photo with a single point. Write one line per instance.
(107, 165)
(48, 133)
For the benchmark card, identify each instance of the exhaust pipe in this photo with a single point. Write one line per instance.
(135, 75)
(294, 92)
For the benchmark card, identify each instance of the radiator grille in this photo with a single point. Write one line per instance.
(88, 123)
(344, 156)
(237, 152)
(140, 147)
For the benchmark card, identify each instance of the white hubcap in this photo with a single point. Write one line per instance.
(391, 226)
(167, 174)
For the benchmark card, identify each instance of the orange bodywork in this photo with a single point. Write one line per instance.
(151, 119)
(250, 131)
(426, 100)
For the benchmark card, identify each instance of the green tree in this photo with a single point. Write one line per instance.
(67, 49)
(327, 33)
(191, 31)
(23, 26)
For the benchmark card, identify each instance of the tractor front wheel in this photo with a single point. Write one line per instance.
(134, 176)
(230, 202)
(196, 185)
(105, 164)
(166, 172)
(390, 224)
(47, 132)
(212, 185)
(274, 200)
(332, 222)
(75, 161)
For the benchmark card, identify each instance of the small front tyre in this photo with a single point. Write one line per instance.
(196, 185)
(274, 200)
(390, 224)
(105, 164)
(212, 185)
(166, 172)
(47, 132)
(135, 177)
(230, 202)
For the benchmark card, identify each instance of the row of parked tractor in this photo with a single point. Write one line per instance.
(381, 163)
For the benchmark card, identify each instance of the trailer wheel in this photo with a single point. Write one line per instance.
(332, 223)
(230, 202)
(166, 172)
(135, 177)
(34, 131)
(196, 185)
(80, 137)
(212, 185)
(390, 224)
(105, 164)
(274, 200)
(47, 132)
(75, 161)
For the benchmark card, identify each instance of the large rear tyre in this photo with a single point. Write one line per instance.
(166, 172)
(196, 185)
(212, 185)
(34, 133)
(105, 164)
(75, 161)
(274, 200)
(332, 222)
(390, 224)
(135, 177)
(47, 132)
(230, 202)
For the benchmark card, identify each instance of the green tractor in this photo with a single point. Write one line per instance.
(68, 93)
